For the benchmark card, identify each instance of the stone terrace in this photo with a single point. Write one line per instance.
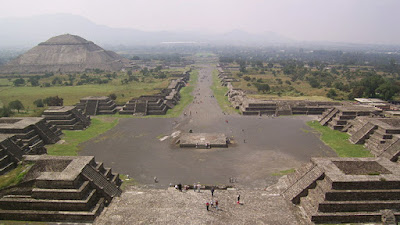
(339, 117)
(345, 190)
(203, 140)
(95, 105)
(33, 132)
(380, 135)
(66, 117)
(60, 188)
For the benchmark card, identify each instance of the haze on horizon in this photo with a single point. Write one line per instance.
(353, 21)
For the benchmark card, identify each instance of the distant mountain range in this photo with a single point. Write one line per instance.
(29, 31)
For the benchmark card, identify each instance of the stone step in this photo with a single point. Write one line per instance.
(15, 203)
(364, 195)
(346, 217)
(55, 216)
(7, 167)
(358, 206)
(62, 194)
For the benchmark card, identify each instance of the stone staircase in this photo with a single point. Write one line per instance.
(91, 107)
(327, 116)
(60, 189)
(66, 118)
(10, 155)
(363, 133)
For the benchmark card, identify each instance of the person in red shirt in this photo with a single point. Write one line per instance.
(208, 205)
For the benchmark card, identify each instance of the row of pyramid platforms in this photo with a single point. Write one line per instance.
(249, 106)
(345, 190)
(366, 125)
(157, 104)
(59, 188)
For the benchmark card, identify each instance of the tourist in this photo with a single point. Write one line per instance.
(194, 187)
(212, 203)
(238, 199)
(207, 206)
(216, 204)
(198, 187)
(180, 187)
(155, 180)
(212, 192)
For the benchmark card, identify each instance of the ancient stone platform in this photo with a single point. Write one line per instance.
(66, 117)
(60, 188)
(203, 140)
(32, 132)
(345, 190)
(96, 105)
(339, 117)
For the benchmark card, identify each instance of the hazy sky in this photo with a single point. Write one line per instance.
(365, 21)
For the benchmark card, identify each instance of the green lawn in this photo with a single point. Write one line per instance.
(74, 138)
(338, 141)
(219, 94)
(284, 172)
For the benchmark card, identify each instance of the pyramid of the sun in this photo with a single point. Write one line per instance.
(64, 53)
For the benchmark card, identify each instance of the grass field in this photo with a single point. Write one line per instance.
(219, 94)
(338, 141)
(71, 94)
(74, 138)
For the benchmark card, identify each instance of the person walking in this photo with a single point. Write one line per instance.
(238, 199)
(216, 204)
(207, 206)
(212, 192)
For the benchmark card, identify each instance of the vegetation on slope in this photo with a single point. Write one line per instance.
(338, 141)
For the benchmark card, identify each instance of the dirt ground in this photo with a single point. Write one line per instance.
(271, 145)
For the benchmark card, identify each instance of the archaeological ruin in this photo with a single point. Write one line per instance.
(66, 117)
(157, 104)
(97, 105)
(345, 190)
(203, 140)
(60, 188)
(10, 152)
(64, 53)
(32, 132)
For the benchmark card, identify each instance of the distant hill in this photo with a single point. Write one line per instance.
(28, 32)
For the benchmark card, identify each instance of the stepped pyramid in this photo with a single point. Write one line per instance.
(64, 53)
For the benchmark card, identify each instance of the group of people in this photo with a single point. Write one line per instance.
(211, 203)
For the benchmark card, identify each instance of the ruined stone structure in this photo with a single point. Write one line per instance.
(10, 153)
(64, 53)
(96, 105)
(248, 106)
(156, 104)
(203, 140)
(345, 190)
(31, 133)
(339, 117)
(380, 135)
(60, 188)
(66, 117)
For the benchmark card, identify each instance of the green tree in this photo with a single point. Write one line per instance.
(16, 104)
(19, 82)
(39, 102)
(262, 87)
(5, 112)
(331, 93)
(387, 90)
(371, 83)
